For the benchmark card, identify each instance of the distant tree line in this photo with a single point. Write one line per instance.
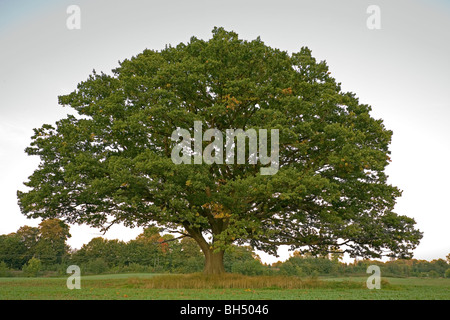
(32, 251)
(306, 265)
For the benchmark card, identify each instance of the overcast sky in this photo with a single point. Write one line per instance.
(401, 69)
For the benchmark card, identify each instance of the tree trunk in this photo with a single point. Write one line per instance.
(213, 262)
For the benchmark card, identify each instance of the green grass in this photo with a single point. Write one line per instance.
(168, 287)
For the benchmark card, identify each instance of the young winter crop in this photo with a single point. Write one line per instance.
(112, 163)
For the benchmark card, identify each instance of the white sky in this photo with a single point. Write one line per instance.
(401, 70)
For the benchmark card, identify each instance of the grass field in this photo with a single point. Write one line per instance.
(169, 287)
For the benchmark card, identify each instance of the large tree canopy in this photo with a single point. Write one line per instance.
(112, 163)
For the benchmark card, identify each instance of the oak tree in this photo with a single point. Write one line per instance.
(111, 163)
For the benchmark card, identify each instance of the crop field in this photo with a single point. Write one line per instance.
(142, 286)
